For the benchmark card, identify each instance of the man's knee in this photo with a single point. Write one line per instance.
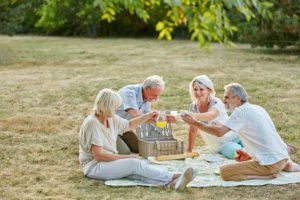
(230, 173)
(131, 141)
(122, 147)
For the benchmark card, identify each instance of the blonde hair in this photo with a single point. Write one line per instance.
(106, 102)
(198, 83)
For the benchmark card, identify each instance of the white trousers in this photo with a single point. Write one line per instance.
(132, 169)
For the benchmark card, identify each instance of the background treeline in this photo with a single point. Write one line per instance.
(83, 18)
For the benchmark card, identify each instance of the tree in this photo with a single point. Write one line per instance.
(18, 16)
(206, 20)
(283, 30)
(69, 17)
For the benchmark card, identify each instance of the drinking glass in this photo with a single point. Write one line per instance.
(161, 121)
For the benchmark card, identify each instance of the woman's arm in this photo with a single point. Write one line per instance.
(135, 122)
(100, 154)
(207, 116)
(133, 113)
(192, 137)
(218, 131)
(136, 113)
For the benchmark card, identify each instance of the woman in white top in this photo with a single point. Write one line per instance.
(210, 109)
(98, 154)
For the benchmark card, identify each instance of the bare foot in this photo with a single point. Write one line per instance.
(275, 175)
(291, 167)
(267, 177)
(291, 149)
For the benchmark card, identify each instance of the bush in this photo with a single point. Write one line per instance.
(19, 16)
(283, 30)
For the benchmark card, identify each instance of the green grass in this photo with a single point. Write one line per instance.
(48, 86)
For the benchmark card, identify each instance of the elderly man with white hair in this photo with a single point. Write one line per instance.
(136, 100)
(265, 152)
(206, 107)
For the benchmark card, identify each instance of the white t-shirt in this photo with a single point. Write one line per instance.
(215, 143)
(258, 134)
(92, 131)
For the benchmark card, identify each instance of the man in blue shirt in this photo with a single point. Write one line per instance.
(135, 102)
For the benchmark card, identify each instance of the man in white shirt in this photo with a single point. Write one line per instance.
(266, 155)
(135, 102)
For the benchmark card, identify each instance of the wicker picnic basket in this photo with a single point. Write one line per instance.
(154, 141)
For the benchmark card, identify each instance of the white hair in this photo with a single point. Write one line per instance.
(154, 82)
(237, 89)
(198, 83)
(106, 102)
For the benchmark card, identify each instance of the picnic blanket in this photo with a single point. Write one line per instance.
(207, 165)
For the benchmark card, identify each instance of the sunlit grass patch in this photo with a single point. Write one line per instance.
(48, 86)
(26, 124)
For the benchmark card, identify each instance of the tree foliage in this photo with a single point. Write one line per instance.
(202, 20)
(283, 30)
(18, 16)
(206, 20)
(65, 17)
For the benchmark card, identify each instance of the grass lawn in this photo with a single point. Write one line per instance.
(48, 86)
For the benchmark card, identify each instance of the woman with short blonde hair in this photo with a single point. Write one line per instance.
(210, 109)
(98, 153)
(107, 102)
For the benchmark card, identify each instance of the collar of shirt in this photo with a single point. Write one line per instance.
(140, 99)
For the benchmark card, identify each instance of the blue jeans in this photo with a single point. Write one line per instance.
(229, 149)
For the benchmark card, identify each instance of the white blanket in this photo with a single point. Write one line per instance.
(207, 173)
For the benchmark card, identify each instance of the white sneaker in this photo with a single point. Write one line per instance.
(187, 176)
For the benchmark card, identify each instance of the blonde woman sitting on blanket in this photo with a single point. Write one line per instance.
(98, 153)
(210, 109)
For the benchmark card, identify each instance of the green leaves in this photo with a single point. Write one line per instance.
(275, 25)
(206, 20)
(159, 26)
(110, 8)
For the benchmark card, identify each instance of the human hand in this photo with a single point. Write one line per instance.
(170, 118)
(188, 118)
(152, 116)
(242, 156)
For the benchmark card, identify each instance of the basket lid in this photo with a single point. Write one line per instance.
(146, 131)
